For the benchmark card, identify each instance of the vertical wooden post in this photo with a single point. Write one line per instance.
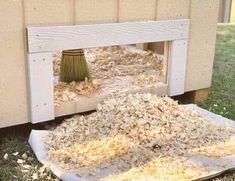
(225, 11)
(166, 61)
(198, 95)
(177, 67)
(40, 68)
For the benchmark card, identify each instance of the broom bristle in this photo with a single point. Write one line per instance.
(73, 66)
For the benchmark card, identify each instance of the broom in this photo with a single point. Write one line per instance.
(73, 66)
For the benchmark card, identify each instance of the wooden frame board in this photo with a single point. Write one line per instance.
(55, 38)
(40, 68)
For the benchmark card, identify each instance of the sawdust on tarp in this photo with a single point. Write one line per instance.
(138, 136)
(106, 65)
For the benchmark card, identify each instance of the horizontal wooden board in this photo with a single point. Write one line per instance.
(43, 39)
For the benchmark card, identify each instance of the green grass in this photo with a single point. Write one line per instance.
(10, 169)
(16, 146)
(221, 100)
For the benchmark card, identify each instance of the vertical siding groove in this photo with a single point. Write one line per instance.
(156, 4)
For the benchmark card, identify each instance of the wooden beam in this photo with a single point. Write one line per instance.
(48, 39)
(196, 96)
(199, 95)
(227, 11)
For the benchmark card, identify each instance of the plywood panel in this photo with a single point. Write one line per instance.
(172, 9)
(13, 96)
(133, 10)
(49, 12)
(203, 15)
(98, 11)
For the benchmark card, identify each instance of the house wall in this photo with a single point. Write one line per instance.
(15, 15)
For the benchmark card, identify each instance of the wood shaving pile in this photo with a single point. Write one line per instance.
(106, 65)
(155, 128)
(217, 151)
(144, 79)
(64, 92)
(122, 61)
(88, 153)
(164, 169)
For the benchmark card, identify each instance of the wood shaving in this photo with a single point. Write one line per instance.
(122, 61)
(5, 156)
(217, 151)
(15, 154)
(107, 64)
(144, 79)
(167, 168)
(156, 129)
(36, 173)
(64, 92)
(90, 153)
(56, 63)
(20, 161)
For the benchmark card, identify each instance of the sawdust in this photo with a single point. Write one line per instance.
(106, 64)
(217, 151)
(64, 92)
(167, 168)
(122, 61)
(144, 130)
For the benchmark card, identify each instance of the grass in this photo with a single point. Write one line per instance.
(10, 169)
(18, 151)
(221, 100)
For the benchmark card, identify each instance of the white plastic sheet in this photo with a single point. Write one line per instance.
(216, 166)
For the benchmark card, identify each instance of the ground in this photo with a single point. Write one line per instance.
(17, 161)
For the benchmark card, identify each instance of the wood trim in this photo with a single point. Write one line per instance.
(41, 94)
(54, 38)
(166, 61)
(177, 67)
